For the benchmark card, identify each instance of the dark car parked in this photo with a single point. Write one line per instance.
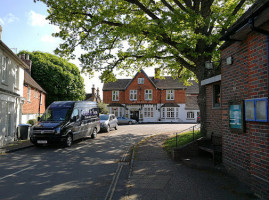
(108, 121)
(125, 120)
(66, 121)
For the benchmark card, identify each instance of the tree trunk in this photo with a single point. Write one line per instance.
(202, 96)
(202, 106)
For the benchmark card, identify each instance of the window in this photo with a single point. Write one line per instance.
(216, 96)
(148, 94)
(29, 94)
(163, 112)
(169, 94)
(170, 113)
(190, 115)
(140, 80)
(4, 61)
(115, 95)
(133, 94)
(17, 76)
(148, 112)
(256, 110)
(41, 98)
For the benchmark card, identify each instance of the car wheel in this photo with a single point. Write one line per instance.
(108, 128)
(130, 123)
(116, 127)
(69, 140)
(94, 133)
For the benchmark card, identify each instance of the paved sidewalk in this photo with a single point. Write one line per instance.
(156, 177)
(15, 146)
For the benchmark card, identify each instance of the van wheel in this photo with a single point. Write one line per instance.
(69, 140)
(94, 133)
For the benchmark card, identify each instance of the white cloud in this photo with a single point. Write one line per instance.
(48, 38)
(9, 18)
(36, 19)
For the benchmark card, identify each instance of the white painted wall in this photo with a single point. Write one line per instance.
(11, 97)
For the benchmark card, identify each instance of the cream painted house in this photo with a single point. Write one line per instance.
(11, 92)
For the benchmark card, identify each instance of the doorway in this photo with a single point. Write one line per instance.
(134, 115)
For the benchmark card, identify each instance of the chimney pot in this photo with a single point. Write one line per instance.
(23, 56)
(27, 57)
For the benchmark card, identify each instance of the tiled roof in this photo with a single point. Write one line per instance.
(120, 84)
(31, 82)
(191, 103)
(167, 83)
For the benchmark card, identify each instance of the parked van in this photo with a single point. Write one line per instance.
(66, 121)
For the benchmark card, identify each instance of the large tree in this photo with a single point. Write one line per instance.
(59, 78)
(125, 35)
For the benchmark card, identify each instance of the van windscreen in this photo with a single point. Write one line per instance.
(56, 114)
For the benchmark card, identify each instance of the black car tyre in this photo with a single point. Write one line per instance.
(69, 140)
(94, 133)
(130, 123)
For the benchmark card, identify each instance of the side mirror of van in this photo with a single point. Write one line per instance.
(73, 119)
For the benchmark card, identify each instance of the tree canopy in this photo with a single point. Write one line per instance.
(60, 79)
(119, 35)
(179, 36)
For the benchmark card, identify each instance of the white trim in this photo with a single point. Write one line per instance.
(211, 80)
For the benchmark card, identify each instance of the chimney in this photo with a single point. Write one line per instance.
(93, 90)
(0, 31)
(28, 62)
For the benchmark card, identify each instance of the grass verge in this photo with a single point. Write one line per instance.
(182, 139)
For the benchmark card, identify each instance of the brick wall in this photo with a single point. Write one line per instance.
(246, 154)
(213, 118)
(32, 106)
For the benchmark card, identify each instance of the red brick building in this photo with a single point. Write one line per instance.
(150, 100)
(243, 108)
(34, 95)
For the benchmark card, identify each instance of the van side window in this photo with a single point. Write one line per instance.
(75, 113)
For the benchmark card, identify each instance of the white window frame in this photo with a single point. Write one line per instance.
(133, 95)
(4, 63)
(17, 77)
(148, 94)
(29, 94)
(140, 81)
(115, 95)
(170, 112)
(170, 94)
(41, 98)
(190, 115)
(148, 112)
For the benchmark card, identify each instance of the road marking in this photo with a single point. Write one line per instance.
(17, 172)
(112, 187)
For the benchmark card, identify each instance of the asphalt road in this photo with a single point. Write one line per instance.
(90, 169)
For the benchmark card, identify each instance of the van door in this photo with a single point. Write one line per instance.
(76, 129)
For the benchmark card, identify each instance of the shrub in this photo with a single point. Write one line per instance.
(31, 121)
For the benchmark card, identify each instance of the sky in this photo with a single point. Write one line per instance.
(25, 27)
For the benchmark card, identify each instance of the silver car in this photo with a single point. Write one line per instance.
(108, 121)
(125, 120)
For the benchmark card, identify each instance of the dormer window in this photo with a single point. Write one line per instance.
(140, 80)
